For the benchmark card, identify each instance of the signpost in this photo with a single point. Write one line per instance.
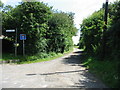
(23, 37)
(13, 30)
(10, 30)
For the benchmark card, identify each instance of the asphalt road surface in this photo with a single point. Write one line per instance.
(63, 72)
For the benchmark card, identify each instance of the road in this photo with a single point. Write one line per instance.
(63, 72)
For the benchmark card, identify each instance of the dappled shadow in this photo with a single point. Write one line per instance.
(74, 59)
(55, 73)
(85, 79)
(89, 81)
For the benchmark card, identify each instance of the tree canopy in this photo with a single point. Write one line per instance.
(92, 32)
(46, 31)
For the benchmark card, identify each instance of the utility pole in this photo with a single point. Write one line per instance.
(106, 13)
(105, 29)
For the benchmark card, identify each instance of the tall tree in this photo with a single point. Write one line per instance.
(61, 31)
(31, 18)
(92, 29)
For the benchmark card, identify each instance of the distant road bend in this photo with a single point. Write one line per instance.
(64, 72)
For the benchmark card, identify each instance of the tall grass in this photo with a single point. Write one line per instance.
(106, 70)
(34, 58)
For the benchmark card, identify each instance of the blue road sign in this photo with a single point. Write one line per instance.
(22, 36)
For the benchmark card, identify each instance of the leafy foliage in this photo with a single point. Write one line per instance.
(92, 29)
(46, 31)
(31, 18)
(1, 5)
(92, 32)
(91, 40)
(60, 32)
(114, 31)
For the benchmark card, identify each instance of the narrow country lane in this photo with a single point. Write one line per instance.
(64, 72)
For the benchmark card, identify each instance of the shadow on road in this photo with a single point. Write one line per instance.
(56, 73)
(90, 81)
(74, 59)
(85, 79)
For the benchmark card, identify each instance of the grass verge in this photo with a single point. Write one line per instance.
(107, 70)
(33, 59)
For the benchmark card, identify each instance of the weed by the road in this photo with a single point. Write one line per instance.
(106, 70)
(8, 56)
(34, 58)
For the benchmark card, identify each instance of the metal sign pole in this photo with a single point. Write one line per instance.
(23, 48)
(23, 38)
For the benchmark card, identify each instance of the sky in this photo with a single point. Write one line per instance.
(81, 8)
